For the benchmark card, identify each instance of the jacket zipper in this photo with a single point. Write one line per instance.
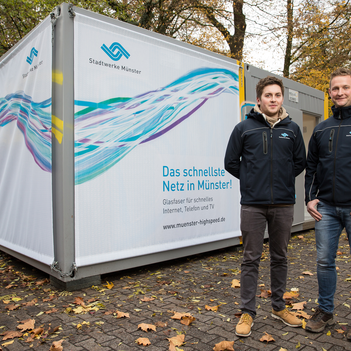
(265, 146)
(272, 200)
(331, 140)
(336, 147)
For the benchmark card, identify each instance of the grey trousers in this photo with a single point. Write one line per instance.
(253, 224)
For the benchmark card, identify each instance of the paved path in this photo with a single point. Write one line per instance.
(87, 319)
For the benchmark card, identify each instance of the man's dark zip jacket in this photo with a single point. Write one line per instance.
(329, 160)
(266, 159)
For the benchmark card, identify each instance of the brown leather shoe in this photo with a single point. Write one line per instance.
(243, 328)
(287, 317)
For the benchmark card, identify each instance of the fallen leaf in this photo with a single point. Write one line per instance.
(122, 314)
(212, 308)
(180, 315)
(79, 326)
(50, 298)
(145, 327)
(301, 314)
(143, 341)
(307, 273)
(51, 311)
(109, 285)
(300, 236)
(27, 324)
(340, 331)
(147, 299)
(30, 303)
(42, 282)
(93, 299)
(37, 331)
(224, 345)
(30, 338)
(11, 334)
(265, 294)
(290, 295)
(56, 346)
(176, 341)
(235, 283)
(267, 337)
(10, 286)
(12, 306)
(299, 306)
(161, 324)
(79, 301)
(187, 320)
(8, 343)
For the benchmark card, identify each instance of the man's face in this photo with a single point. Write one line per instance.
(340, 91)
(271, 100)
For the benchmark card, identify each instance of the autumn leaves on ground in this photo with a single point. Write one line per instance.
(187, 304)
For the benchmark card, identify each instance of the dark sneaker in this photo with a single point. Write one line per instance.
(319, 321)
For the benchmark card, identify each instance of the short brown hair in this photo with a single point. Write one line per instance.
(269, 80)
(340, 72)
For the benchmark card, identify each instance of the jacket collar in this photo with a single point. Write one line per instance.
(258, 115)
(341, 112)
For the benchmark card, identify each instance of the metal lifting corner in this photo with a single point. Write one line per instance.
(56, 268)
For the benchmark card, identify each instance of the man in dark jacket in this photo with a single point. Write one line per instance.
(328, 192)
(266, 152)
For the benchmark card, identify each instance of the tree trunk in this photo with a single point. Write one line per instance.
(236, 42)
(287, 59)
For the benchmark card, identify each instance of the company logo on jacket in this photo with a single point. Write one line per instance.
(115, 51)
(33, 53)
(284, 136)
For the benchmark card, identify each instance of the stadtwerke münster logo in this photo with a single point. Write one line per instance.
(115, 51)
(33, 53)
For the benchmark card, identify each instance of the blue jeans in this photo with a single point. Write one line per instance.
(327, 232)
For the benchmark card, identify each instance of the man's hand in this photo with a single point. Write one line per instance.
(311, 209)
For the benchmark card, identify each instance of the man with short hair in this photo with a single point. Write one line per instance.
(266, 152)
(328, 192)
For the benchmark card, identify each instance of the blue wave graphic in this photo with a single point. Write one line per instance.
(34, 123)
(107, 132)
(33, 53)
(121, 51)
